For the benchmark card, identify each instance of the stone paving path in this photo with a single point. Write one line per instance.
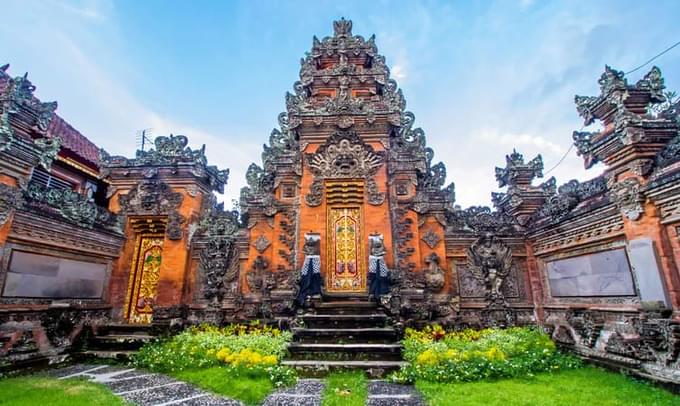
(381, 393)
(144, 388)
(307, 392)
(149, 389)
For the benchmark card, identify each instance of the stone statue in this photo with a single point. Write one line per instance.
(378, 274)
(490, 262)
(310, 274)
(434, 275)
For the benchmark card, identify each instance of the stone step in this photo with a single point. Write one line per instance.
(374, 369)
(125, 329)
(354, 320)
(371, 335)
(347, 352)
(119, 341)
(345, 307)
(345, 347)
(120, 355)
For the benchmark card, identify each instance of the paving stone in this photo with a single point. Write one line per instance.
(133, 374)
(108, 369)
(126, 385)
(307, 392)
(304, 387)
(208, 400)
(393, 401)
(386, 388)
(162, 394)
(381, 393)
(292, 400)
(70, 370)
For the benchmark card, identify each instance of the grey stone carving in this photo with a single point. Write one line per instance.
(10, 199)
(261, 243)
(431, 238)
(71, 206)
(628, 197)
(219, 259)
(490, 260)
(434, 274)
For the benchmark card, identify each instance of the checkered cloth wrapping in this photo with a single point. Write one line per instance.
(316, 264)
(375, 263)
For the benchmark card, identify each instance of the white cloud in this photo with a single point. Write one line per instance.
(397, 72)
(494, 137)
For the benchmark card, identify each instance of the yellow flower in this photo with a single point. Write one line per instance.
(427, 357)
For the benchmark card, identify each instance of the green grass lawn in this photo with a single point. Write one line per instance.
(46, 391)
(252, 390)
(584, 386)
(345, 389)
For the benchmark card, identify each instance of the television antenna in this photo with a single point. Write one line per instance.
(143, 138)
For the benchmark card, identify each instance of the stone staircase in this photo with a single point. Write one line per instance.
(346, 333)
(116, 341)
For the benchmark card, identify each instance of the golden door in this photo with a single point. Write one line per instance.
(143, 284)
(346, 269)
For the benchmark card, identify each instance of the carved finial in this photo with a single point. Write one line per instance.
(516, 172)
(654, 83)
(611, 79)
(342, 28)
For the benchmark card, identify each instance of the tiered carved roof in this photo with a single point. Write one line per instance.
(24, 116)
(345, 85)
(632, 129)
(170, 153)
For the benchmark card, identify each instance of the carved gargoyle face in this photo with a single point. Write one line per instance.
(345, 164)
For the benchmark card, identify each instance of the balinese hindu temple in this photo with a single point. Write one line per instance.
(347, 204)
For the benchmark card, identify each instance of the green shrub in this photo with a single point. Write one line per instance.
(439, 356)
(239, 351)
(198, 347)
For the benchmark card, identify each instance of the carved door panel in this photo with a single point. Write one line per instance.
(345, 269)
(143, 283)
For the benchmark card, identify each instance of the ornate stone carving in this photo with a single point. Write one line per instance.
(434, 275)
(490, 260)
(71, 206)
(287, 239)
(588, 324)
(345, 155)
(259, 277)
(174, 227)
(517, 172)
(431, 238)
(563, 336)
(10, 199)
(569, 196)
(628, 197)
(261, 243)
(49, 148)
(482, 220)
(375, 197)
(17, 97)
(315, 195)
(172, 151)
(219, 259)
(150, 197)
(670, 153)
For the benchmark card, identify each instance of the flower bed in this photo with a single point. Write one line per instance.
(241, 350)
(455, 356)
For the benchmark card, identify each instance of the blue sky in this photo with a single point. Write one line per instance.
(481, 77)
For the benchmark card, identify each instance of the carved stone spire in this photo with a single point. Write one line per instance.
(342, 28)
